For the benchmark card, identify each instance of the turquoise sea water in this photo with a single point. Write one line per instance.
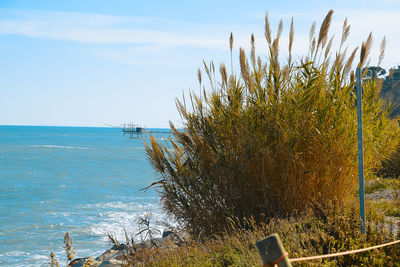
(85, 181)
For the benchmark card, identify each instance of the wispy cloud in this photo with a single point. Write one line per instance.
(99, 28)
(149, 35)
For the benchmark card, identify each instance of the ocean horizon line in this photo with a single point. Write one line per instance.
(71, 126)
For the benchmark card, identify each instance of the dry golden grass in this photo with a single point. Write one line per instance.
(302, 237)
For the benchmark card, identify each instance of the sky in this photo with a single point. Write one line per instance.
(97, 62)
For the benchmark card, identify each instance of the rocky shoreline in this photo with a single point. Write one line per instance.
(118, 254)
(112, 257)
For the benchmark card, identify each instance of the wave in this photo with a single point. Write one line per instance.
(127, 206)
(64, 147)
(124, 219)
(27, 259)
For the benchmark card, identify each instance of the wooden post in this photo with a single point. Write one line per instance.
(272, 252)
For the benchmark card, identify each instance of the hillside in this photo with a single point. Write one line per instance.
(391, 90)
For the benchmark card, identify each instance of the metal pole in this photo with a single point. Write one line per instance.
(360, 150)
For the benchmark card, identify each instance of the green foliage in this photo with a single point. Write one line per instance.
(380, 183)
(273, 140)
(391, 167)
(388, 207)
(384, 195)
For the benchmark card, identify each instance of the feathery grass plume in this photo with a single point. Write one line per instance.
(338, 64)
(275, 47)
(253, 150)
(382, 51)
(244, 67)
(242, 61)
(209, 72)
(267, 32)
(291, 35)
(199, 76)
(259, 64)
(231, 42)
(365, 50)
(253, 50)
(205, 97)
(324, 42)
(352, 76)
(231, 49)
(212, 67)
(328, 47)
(345, 33)
(312, 32)
(206, 69)
(280, 29)
(313, 47)
(349, 62)
(222, 70)
(323, 31)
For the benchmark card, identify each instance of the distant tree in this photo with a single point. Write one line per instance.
(390, 91)
(374, 72)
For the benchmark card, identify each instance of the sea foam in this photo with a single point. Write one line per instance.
(64, 147)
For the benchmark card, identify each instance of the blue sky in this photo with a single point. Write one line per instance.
(90, 62)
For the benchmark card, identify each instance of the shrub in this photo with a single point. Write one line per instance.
(273, 140)
(391, 167)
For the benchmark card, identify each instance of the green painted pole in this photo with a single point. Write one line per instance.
(360, 150)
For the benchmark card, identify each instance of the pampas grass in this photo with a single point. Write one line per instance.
(272, 140)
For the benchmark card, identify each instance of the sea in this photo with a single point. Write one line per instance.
(86, 181)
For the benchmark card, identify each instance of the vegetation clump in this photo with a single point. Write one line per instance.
(305, 236)
(273, 140)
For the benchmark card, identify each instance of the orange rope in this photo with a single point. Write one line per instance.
(343, 253)
(276, 261)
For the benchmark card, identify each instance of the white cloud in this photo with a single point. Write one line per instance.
(152, 35)
(99, 28)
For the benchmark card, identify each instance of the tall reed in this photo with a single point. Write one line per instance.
(273, 140)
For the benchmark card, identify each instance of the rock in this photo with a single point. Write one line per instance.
(112, 263)
(80, 262)
(115, 256)
(114, 253)
(119, 247)
(107, 255)
(77, 262)
(166, 234)
(381, 194)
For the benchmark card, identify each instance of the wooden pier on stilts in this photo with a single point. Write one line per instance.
(136, 131)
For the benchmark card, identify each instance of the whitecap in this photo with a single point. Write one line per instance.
(117, 222)
(63, 147)
(15, 254)
(40, 257)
